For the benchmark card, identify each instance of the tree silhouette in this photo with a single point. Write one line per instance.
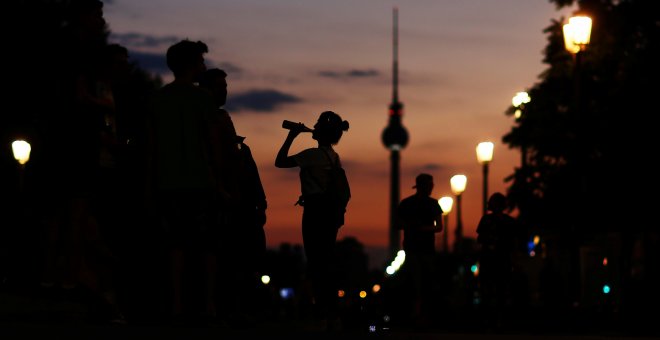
(607, 137)
(48, 44)
(587, 172)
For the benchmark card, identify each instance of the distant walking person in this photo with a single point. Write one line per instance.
(184, 183)
(320, 223)
(498, 235)
(420, 217)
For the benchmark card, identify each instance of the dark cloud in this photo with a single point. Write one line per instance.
(259, 100)
(350, 74)
(137, 40)
(363, 73)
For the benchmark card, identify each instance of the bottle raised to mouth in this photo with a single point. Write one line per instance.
(289, 125)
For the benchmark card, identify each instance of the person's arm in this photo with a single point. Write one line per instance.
(259, 192)
(480, 229)
(435, 226)
(283, 159)
(439, 227)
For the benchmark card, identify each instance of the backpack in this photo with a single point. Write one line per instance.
(338, 190)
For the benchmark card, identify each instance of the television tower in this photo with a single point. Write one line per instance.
(395, 138)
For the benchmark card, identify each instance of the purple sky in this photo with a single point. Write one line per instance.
(461, 62)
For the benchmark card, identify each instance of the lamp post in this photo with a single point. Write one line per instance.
(446, 203)
(519, 101)
(577, 33)
(458, 184)
(21, 150)
(484, 156)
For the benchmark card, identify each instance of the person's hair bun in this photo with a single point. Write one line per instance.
(344, 125)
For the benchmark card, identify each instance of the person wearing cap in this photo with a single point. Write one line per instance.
(420, 218)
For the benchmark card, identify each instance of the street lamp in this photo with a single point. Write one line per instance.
(577, 33)
(484, 156)
(21, 150)
(519, 101)
(458, 184)
(446, 203)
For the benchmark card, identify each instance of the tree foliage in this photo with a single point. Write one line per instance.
(587, 130)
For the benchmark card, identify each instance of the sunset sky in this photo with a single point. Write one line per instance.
(460, 63)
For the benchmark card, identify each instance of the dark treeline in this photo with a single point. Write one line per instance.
(57, 58)
(584, 183)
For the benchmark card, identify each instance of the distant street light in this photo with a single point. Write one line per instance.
(458, 184)
(519, 101)
(21, 150)
(446, 204)
(484, 157)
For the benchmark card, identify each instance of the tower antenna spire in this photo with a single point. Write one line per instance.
(395, 138)
(395, 55)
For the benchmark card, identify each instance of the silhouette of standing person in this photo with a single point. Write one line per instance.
(497, 234)
(320, 224)
(184, 183)
(244, 212)
(420, 217)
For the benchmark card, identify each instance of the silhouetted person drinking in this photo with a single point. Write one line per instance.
(320, 222)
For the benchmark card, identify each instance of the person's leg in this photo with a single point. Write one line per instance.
(416, 275)
(488, 287)
(319, 240)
